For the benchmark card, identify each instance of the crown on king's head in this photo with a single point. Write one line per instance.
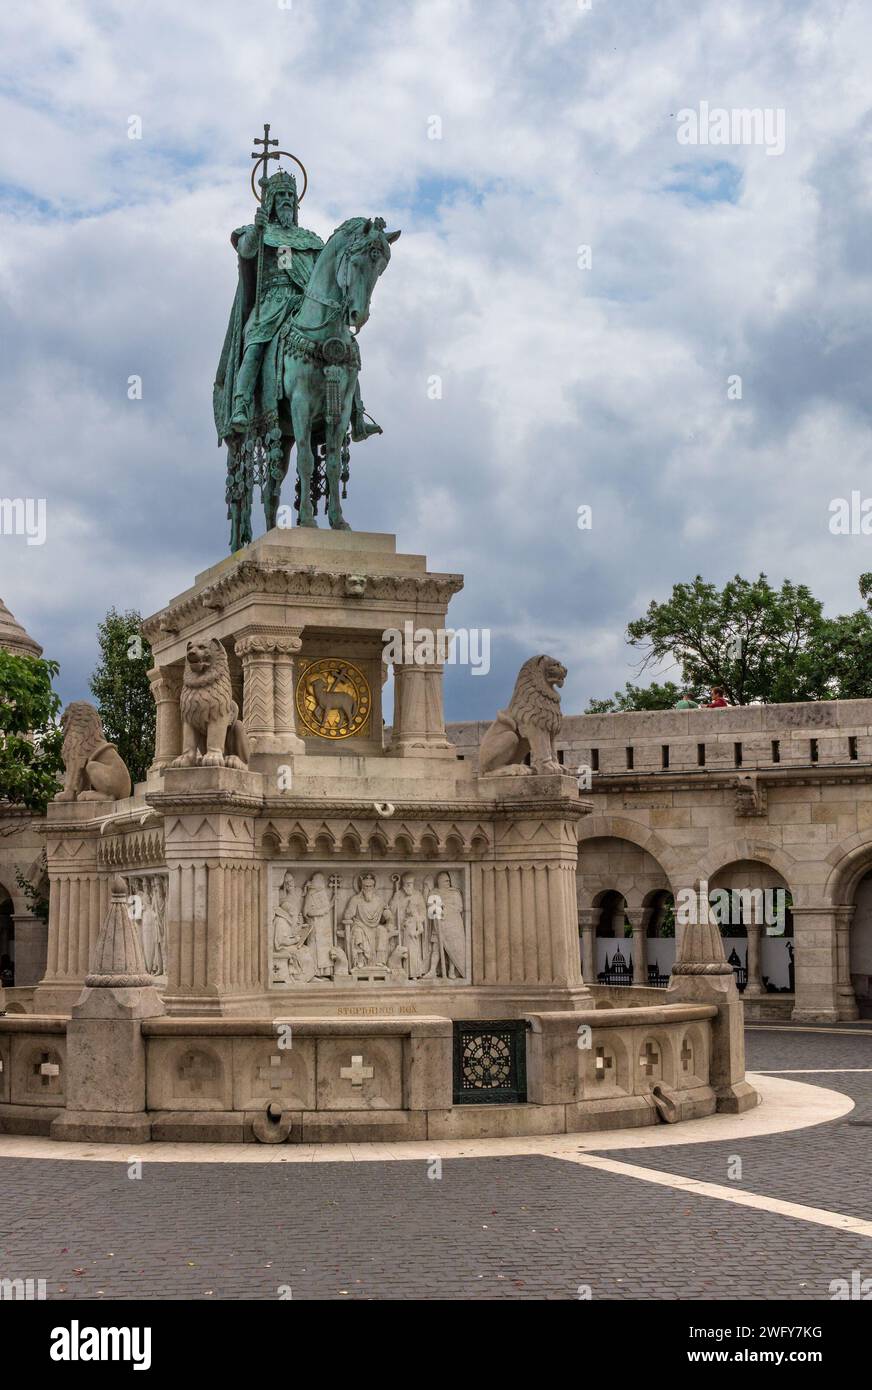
(279, 182)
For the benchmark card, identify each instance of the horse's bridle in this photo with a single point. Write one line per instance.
(338, 306)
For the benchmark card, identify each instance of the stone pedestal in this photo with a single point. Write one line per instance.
(295, 596)
(216, 951)
(78, 899)
(105, 1058)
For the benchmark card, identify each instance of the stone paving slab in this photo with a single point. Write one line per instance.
(528, 1228)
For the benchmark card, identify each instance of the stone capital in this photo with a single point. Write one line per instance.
(166, 682)
(268, 641)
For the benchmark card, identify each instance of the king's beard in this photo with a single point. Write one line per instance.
(285, 216)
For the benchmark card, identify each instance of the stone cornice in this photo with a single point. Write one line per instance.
(831, 774)
(216, 799)
(275, 577)
(318, 809)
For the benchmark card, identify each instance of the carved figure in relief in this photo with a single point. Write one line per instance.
(530, 724)
(409, 912)
(447, 953)
(318, 912)
(290, 935)
(376, 927)
(152, 927)
(366, 922)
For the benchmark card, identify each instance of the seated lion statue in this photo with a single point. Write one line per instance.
(212, 732)
(529, 725)
(93, 768)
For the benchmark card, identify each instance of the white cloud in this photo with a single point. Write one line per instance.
(560, 386)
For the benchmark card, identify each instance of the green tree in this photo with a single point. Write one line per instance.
(121, 688)
(30, 738)
(637, 697)
(754, 641)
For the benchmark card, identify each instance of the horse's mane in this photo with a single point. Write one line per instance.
(349, 226)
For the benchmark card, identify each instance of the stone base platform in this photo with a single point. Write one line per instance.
(378, 1079)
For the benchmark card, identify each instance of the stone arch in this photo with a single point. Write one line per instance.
(633, 879)
(611, 906)
(751, 893)
(848, 893)
(657, 902)
(727, 852)
(849, 861)
(619, 828)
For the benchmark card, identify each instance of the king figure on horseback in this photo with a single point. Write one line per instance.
(279, 316)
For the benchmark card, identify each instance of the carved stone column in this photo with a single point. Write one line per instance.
(847, 999)
(754, 984)
(816, 966)
(587, 920)
(638, 919)
(267, 656)
(166, 684)
(419, 718)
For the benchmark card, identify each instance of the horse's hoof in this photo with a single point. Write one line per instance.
(307, 521)
(340, 525)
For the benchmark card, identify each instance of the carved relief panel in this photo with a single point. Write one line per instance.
(385, 924)
(147, 903)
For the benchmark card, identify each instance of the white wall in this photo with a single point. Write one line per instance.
(661, 949)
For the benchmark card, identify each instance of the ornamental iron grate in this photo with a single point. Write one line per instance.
(490, 1062)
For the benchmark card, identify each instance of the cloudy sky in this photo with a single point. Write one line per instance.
(568, 378)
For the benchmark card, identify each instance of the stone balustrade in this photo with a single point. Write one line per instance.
(749, 738)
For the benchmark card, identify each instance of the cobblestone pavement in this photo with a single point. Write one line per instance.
(825, 1166)
(496, 1228)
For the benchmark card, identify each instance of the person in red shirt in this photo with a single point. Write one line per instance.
(717, 701)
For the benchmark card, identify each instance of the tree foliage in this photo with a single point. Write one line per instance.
(758, 643)
(636, 697)
(30, 737)
(122, 691)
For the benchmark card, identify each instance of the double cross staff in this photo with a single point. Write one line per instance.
(263, 157)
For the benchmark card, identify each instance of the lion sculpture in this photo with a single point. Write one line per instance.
(93, 768)
(212, 732)
(529, 725)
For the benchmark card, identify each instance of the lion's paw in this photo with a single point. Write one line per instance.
(509, 770)
(184, 760)
(213, 758)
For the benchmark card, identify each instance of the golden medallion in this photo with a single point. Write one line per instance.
(333, 699)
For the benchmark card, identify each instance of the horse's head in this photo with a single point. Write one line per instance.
(362, 263)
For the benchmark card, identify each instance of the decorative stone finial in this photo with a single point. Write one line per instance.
(117, 961)
(701, 948)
